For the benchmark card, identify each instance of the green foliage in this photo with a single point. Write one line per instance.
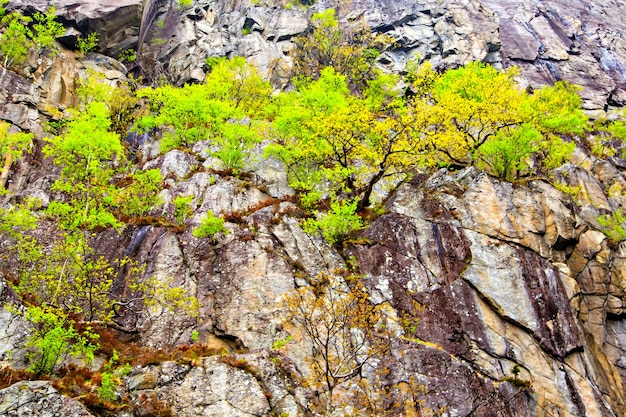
(614, 225)
(121, 101)
(183, 4)
(87, 43)
(12, 146)
(337, 223)
(54, 338)
(333, 142)
(107, 387)
(66, 274)
(210, 225)
(16, 38)
(127, 55)
(351, 51)
(182, 208)
(89, 155)
(111, 378)
(235, 144)
(572, 191)
(142, 194)
(507, 154)
(221, 110)
(47, 30)
(160, 295)
(477, 114)
(281, 343)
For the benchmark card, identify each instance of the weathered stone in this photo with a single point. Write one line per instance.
(38, 399)
(175, 164)
(534, 296)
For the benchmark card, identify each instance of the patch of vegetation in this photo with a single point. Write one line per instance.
(210, 225)
(86, 44)
(337, 223)
(614, 225)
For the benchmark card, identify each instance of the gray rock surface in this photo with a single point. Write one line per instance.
(38, 399)
(507, 274)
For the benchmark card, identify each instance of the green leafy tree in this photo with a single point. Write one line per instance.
(337, 223)
(88, 154)
(54, 338)
(87, 43)
(46, 29)
(333, 142)
(223, 110)
(507, 154)
(182, 208)
(141, 194)
(16, 38)
(478, 114)
(614, 225)
(121, 100)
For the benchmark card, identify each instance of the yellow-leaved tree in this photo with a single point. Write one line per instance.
(334, 143)
(479, 115)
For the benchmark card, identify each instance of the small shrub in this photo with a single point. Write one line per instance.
(614, 225)
(210, 225)
(127, 55)
(335, 225)
(182, 208)
(54, 338)
(281, 343)
(87, 43)
(46, 28)
(183, 4)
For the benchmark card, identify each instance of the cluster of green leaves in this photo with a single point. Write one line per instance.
(61, 277)
(227, 109)
(351, 52)
(478, 115)
(336, 224)
(12, 147)
(90, 153)
(614, 225)
(87, 43)
(54, 338)
(210, 225)
(18, 36)
(111, 377)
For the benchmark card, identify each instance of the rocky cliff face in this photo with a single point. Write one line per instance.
(581, 41)
(508, 274)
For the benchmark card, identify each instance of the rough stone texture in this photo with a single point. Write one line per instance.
(235, 385)
(38, 399)
(507, 274)
(14, 329)
(577, 41)
(116, 21)
(550, 40)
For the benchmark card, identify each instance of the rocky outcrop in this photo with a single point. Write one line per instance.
(552, 40)
(38, 398)
(508, 275)
(489, 301)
